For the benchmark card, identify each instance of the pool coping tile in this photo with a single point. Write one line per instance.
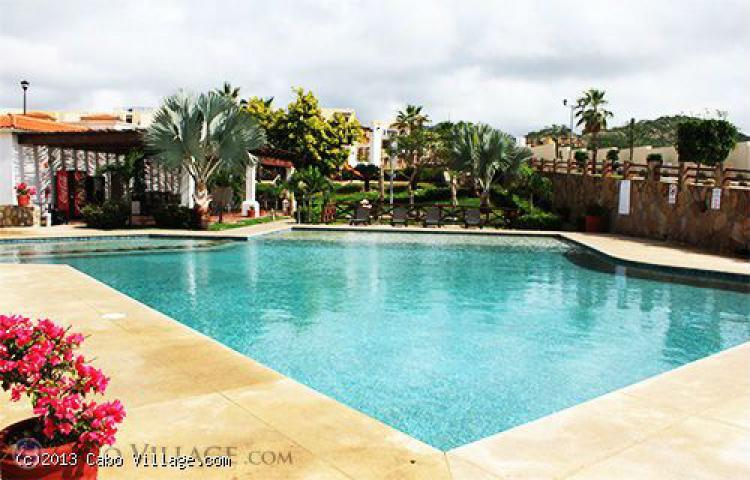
(611, 433)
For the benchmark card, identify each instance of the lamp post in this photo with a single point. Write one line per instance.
(570, 131)
(393, 151)
(25, 86)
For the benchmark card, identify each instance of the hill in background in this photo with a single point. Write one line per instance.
(661, 132)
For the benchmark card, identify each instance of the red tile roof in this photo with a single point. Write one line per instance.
(35, 123)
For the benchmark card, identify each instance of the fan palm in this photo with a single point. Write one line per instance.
(593, 116)
(200, 135)
(492, 154)
(231, 92)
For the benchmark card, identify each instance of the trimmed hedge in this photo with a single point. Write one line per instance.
(539, 221)
(107, 216)
(175, 216)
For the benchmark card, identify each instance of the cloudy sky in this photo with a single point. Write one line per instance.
(508, 63)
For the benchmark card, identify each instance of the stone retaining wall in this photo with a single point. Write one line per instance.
(690, 220)
(15, 216)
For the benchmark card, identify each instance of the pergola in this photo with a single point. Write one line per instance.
(42, 155)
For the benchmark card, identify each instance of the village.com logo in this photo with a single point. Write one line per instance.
(26, 453)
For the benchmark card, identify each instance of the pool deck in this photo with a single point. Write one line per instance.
(183, 389)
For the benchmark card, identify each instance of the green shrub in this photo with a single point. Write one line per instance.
(430, 193)
(434, 175)
(539, 220)
(175, 216)
(107, 216)
(348, 188)
(654, 157)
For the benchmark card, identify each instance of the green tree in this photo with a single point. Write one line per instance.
(369, 173)
(705, 141)
(533, 184)
(593, 115)
(201, 135)
(304, 130)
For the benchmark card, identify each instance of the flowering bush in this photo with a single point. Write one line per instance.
(23, 189)
(38, 360)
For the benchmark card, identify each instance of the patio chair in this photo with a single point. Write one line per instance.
(400, 216)
(473, 218)
(432, 217)
(361, 216)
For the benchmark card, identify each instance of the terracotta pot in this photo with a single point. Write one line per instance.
(65, 462)
(23, 200)
(594, 224)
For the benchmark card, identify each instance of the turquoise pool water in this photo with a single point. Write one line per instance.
(447, 338)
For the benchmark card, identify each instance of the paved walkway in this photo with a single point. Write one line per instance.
(183, 389)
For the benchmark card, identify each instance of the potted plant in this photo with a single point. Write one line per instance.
(596, 218)
(24, 193)
(581, 158)
(38, 362)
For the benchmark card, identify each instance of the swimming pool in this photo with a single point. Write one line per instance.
(449, 338)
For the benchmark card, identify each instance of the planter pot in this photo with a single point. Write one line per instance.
(55, 459)
(594, 224)
(23, 200)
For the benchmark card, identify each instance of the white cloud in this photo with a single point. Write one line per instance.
(506, 63)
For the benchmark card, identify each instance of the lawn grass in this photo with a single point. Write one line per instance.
(217, 227)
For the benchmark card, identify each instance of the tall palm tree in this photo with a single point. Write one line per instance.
(200, 135)
(410, 119)
(592, 114)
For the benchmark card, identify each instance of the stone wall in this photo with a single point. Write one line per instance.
(690, 220)
(15, 216)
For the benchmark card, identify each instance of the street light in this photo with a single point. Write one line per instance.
(25, 85)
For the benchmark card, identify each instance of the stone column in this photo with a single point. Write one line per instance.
(250, 201)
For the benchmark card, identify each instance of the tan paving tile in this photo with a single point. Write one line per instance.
(463, 470)
(350, 440)
(734, 411)
(212, 424)
(695, 449)
(568, 440)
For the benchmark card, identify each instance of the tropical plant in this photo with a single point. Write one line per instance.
(39, 360)
(654, 157)
(369, 172)
(613, 156)
(593, 115)
(201, 135)
(533, 184)
(492, 154)
(231, 92)
(581, 157)
(129, 172)
(309, 185)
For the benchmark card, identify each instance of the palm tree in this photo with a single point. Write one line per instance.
(200, 135)
(232, 93)
(593, 116)
(415, 142)
(410, 119)
(492, 154)
(309, 183)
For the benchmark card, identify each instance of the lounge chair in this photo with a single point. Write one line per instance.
(400, 217)
(473, 218)
(361, 216)
(432, 217)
